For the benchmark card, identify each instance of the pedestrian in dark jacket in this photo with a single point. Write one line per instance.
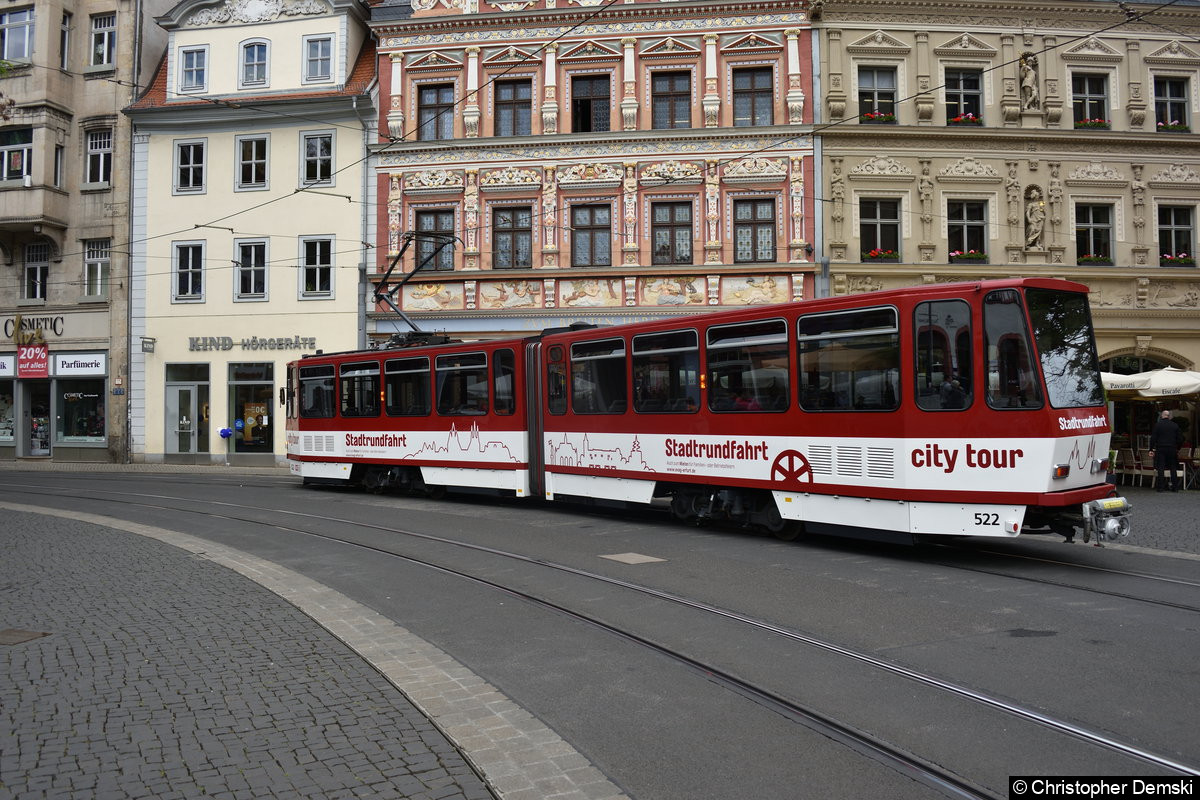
(1165, 441)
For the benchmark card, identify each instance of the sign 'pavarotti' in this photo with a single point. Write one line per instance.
(252, 343)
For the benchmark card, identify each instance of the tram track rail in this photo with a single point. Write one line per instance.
(861, 741)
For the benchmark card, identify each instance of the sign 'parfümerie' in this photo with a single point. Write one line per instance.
(252, 343)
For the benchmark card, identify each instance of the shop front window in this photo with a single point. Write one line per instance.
(80, 411)
(6, 413)
(251, 388)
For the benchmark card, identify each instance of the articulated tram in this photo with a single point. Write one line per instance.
(971, 409)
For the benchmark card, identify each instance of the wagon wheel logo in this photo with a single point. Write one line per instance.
(791, 467)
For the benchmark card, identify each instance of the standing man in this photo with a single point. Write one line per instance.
(1165, 441)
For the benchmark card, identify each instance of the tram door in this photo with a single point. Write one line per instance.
(181, 419)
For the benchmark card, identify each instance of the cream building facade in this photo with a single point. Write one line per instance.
(1049, 139)
(592, 162)
(70, 67)
(250, 228)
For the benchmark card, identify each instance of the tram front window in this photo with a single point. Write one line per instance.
(1062, 328)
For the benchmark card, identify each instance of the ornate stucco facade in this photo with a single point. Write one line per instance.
(597, 163)
(1030, 133)
(250, 229)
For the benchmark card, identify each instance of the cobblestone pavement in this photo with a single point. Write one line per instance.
(166, 676)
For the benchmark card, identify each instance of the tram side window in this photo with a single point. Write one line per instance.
(598, 382)
(556, 380)
(360, 389)
(316, 391)
(462, 384)
(1012, 380)
(666, 372)
(406, 387)
(748, 366)
(943, 362)
(850, 360)
(504, 375)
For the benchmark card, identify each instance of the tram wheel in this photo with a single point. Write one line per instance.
(686, 506)
(790, 531)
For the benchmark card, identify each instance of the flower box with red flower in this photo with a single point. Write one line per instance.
(877, 118)
(1095, 260)
(976, 256)
(880, 255)
(1094, 124)
(1174, 126)
(1176, 260)
(965, 119)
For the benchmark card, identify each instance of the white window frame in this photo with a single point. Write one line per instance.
(100, 154)
(304, 266)
(35, 272)
(64, 41)
(243, 63)
(8, 51)
(238, 163)
(6, 154)
(97, 268)
(304, 138)
(103, 41)
(177, 148)
(176, 246)
(251, 297)
(307, 60)
(184, 69)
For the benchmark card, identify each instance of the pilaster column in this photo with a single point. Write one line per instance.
(795, 93)
(629, 236)
(925, 100)
(1053, 102)
(712, 213)
(395, 116)
(471, 108)
(1010, 97)
(797, 245)
(629, 103)
(712, 100)
(549, 218)
(550, 98)
(471, 219)
(1136, 104)
(836, 101)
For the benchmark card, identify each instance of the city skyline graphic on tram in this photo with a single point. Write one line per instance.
(566, 454)
(475, 445)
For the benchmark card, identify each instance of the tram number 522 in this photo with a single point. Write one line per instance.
(987, 519)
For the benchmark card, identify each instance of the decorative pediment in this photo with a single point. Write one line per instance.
(1176, 177)
(511, 55)
(510, 178)
(966, 44)
(754, 42)
(669, 48)
(879, 43)
(755, 170)
(677, 172)
(1095, 174)
(969, 170)
(434, 61)
(1174, 53)
(1092, 50)
(243, 11)
(882, 167)
(592, 176)
(433, 181)
(590, 51)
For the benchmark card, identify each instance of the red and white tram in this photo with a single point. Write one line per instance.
(966, 409)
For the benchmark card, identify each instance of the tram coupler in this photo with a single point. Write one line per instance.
(1107, 518)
